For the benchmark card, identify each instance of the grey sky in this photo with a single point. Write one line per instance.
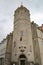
(7, 8)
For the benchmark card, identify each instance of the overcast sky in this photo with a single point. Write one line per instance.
(7, 8)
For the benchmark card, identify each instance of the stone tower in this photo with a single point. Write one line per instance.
(22, 51)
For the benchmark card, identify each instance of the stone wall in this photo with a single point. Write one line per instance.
(40, 40)
(9, 49)
(35, 44)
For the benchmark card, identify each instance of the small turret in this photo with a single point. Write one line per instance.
(21, 13)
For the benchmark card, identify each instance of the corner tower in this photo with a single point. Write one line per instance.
(22, 51)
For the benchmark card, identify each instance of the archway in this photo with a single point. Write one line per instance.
(22, 59)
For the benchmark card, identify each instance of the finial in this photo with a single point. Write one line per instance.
(21, 3)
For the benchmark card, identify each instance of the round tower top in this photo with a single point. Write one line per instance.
(21, 13)
(21, 8)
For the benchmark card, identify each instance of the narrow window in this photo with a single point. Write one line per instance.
(30, 49)
(14, 43)
(20, 38)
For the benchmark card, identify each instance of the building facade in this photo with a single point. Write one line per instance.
(24, 46)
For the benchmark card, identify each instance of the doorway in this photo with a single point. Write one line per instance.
(22, 60)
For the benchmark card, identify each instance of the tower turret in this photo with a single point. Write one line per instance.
(21, 13)
(22, 37)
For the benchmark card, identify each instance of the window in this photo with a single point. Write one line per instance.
(18, 11)
(20, 38)
(1, 61)
(21, 35)
(42, 42)
(25, 10)
(30, 49)
(14, 43)
(35, 41)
